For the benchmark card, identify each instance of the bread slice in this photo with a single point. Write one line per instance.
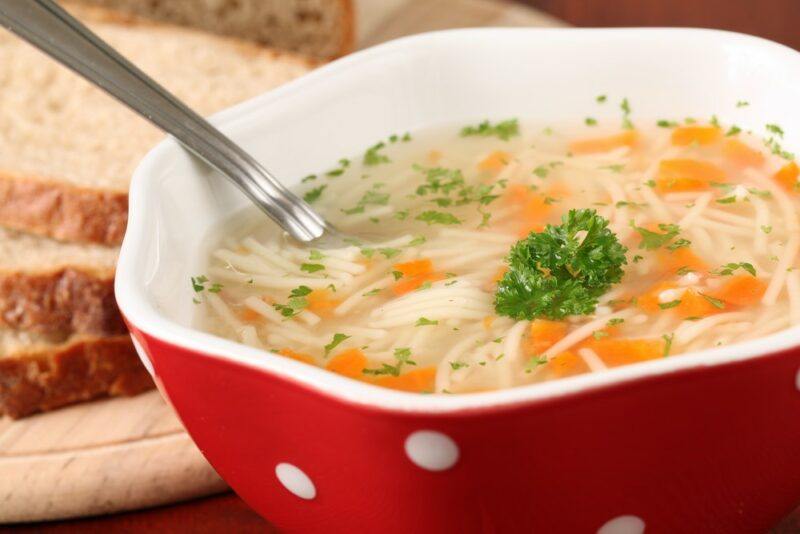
(57, 289)
(67, 150)
(320, 28)
(39, 374)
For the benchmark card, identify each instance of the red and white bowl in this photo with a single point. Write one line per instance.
(707, 442)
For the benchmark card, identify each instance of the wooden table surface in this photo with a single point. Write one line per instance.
(774, 19)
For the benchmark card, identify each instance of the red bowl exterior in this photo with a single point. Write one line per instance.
(712, 449)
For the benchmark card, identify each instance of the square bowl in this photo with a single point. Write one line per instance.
(705, 442)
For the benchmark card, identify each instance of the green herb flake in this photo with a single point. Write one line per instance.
(668, 339)
(733, 130)
(198, 283)
(505, 130)
(397, 275)
(541, 171)
(727, 200)
(337, 339)
(626, 114)
(679, 243)
(742, 103)
(534, 362)
(455, 366)
(601, 99)
(714, 302)
(311, 267)
(663, 123)
(373, 155)
(422, 321)
(600, 334)
(766, 229)
(437, 217)
(615, 321)
(668, 305)
(312, 195)
(590, 121)
(309, 178)
(654, 240)
(729, 268)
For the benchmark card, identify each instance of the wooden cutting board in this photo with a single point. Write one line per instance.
(123, 454)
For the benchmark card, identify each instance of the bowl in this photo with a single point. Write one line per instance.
(706, 442)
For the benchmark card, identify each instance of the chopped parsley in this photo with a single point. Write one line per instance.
(733, 130)
(312, 195)
(626, 114)
(714, 302)
(372, 292)
(727, 200)
(742, 103)
(315, 255)
(422, 321)
(437, 217)
(373, 155)
(663, 123)
(679, 243)
(337, 339)
(541, 171)
(343, 165)
(534, 362)
(557, 272)
(309, 178)
(311, 267)
(590, 121)
(653, 240)
(766, 229)
(670, 304)
(297, 302)
(455, 366)
(601, 99)
(198, 283)
(505, 130)
(401, 355)
(615, 321)
(730, 268)
(668, 338)
(613, 168)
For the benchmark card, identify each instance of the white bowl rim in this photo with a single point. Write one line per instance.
(132, 301)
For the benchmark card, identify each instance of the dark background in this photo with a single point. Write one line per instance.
(778, 20)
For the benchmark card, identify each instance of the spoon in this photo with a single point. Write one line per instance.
(54, 31)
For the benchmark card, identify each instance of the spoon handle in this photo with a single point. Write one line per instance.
(51, 29)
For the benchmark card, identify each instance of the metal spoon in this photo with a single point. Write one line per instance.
(54, 31)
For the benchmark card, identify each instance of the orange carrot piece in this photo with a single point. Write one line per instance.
(415, 267)
(702, 135)
(494, 162)
(623, 351)
(488, 321)
(693, 304)
(543, 334)
(411, 283)
(248, 316)
(350, 362)
(741, 154)
(299, 356)
(787, 176)
(604, 144)
(741, 290)
(672, 260)
(649, 301)
(321, 303)
(416, 381)
(676, 175)
(566, 364)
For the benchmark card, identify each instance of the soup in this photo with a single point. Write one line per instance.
(505, 253)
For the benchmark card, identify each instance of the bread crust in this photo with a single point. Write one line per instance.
(63, 302)
(84, 369)
(348, 23)
(62, 211)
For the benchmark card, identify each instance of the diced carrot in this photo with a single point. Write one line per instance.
(488, 321)
(415, 267)
(787, 176)
(533, 207)
(672, 260)
(321, 303)
(741, 154)
(248, 316)
(621, 351)
(687, 175)
(494, 162)
(566, 364)
(543, 334)
(693, 304)
(741, 290)
(299, 356)
(407, 284)
(350, 362)
(649, 301)
(434, 156)
(604, 144)
(702, 135)
(416, 381)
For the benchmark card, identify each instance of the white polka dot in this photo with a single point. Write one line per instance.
(294, 480)
(431, 450)
(142, 355)
(624, 524)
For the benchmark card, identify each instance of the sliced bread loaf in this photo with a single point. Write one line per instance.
(38, 373)
(57, 289)
(320, 28)
(67, 149)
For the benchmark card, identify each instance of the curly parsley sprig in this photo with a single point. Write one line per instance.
(561, 271)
